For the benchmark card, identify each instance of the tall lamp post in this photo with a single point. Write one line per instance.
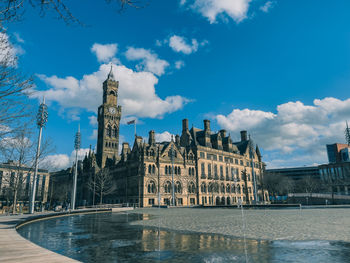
(41, 119)
(76, 147)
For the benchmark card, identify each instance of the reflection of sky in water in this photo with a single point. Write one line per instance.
(109, 238)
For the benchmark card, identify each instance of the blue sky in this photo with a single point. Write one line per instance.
(279, 69)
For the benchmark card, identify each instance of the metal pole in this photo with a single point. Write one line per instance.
(41, 120)
(32, 199)
(77, 147)
(172, 173)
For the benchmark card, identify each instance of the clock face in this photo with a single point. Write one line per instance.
(112, 110)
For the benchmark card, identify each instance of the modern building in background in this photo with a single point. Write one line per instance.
(11, 173)
(200, 167)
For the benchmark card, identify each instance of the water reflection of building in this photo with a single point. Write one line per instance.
(159, 240)
(208, 167)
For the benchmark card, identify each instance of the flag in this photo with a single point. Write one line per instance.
(131, 122)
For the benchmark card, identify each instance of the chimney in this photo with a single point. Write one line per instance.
(151, 137)
(184, 124)
(243, 136)
(177, 140)
(223, 133)
(207, 125)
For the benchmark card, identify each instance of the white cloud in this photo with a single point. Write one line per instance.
(149, 60)
(57, 162)
(182, 2)
(105, 53)
(136, 92)
(8, 51)
(94, 134)
(163, 137)
(93, 120)
(179, 44)
(295, 129)
(211, 9)
(267, 6)
(179, 64)
(19, 39)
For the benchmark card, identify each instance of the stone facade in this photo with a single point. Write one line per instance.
(199, 167)
(11, 173)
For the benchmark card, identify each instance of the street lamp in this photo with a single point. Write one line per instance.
(41, 119)
(76, 147)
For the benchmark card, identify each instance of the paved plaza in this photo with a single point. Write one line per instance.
(269, 224)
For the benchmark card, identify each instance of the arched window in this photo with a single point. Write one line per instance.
(189, 171)
(216, 187)
(178, 188)
(175, 170)
(233, 189)
(203, 188)
(178, 170)
(167, 187)
(153, 169)
(191, 188)
(149, 169)
(109, 131)
(222, 188)
(193, 172)
(227, 174)
(151, 187)
(228, 188)
(190, 156)
(238, 189)
(115, 132)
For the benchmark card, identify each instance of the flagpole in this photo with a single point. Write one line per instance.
(135, 127)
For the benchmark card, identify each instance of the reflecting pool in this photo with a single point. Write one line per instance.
(126, 237)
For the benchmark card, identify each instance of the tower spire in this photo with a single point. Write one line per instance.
(347, 134)
(110, 74)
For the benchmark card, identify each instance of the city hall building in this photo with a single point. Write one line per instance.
(199, 167)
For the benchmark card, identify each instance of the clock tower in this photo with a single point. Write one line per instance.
(108, 118)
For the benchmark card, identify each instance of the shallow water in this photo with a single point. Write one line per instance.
(109, 237)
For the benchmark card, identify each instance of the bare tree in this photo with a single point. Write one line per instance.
(13, 10)
(277, 184)
(21, 149)
(14, 89)
(102, 183)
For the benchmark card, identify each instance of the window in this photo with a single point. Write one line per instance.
(221, 172)
(222, 188)
(241, 162)
(203, 169)
(208, 156)
(227, 174)
(149, 169)
(151, 187)
(216, 171)
(215, 157)
(153, 169)
(201, 155)
(189, 171)
(167, 187)
(191, 188)
(203, 188)
(166, 169)
(178, 188)
(178, 170)
(151, 201)
(209, 171)
(193, 171)
(236, 161)
(109, 131)
(220, 158)
(228, 188)
(238, 189)
(192, 201)
(179, 201)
